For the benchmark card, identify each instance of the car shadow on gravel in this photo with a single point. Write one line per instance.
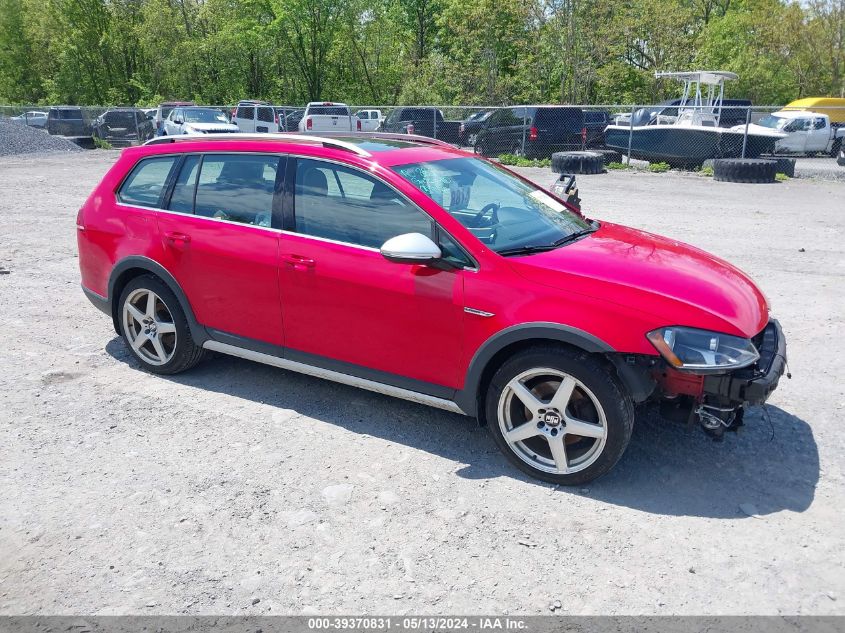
(772, 464)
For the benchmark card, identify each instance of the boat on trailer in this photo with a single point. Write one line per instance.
(694, 135)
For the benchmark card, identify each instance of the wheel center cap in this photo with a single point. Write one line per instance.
(552, 418)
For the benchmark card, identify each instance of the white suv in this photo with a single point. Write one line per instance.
(256, 116)
(196, 120)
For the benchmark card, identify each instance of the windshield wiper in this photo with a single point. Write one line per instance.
(526, 250)
(574, 236)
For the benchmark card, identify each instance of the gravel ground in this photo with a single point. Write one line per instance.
(242, 489)
(18, 138)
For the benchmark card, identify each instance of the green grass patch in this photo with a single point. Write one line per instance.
(706, 171)
(658, 168)
(618, 166)
(101, 144)
(521, 161)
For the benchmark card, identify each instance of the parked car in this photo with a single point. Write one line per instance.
(532, 131)
(325, 116)
(163, 111)
(595, 121)
(807, 132)
(468, 131)
(32, 118)
(256, 116)
(419, 271)
(370, 119)
(67, 121)
(197, 120)
(122, 127)
(423, 122)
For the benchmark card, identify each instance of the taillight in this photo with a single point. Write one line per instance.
(309, 124)
(411, 128)
(462, 129)
(358, 124)
(583, 135)
(532, 134)
(79, 225)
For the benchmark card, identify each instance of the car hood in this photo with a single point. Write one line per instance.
(675, 283)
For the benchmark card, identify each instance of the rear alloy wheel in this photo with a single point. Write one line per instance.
(154, 327)
(559, 416)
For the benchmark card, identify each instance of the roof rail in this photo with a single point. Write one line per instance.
(277, 137)
(390, 136)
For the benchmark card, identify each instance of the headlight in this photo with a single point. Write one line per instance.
(702, 350)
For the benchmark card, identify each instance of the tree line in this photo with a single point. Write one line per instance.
(454, 52)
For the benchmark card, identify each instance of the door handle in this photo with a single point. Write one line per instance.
(299, 260)
(175, 236)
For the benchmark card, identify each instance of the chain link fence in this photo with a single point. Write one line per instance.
(679, 136)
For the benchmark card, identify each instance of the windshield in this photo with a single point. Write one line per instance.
(205, 116)
(504, 212)
(772, 121)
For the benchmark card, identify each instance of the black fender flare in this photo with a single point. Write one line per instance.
(467, 398)
(198, 332)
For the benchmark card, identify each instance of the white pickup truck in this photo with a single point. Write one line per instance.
(325, 116)
(807, 132)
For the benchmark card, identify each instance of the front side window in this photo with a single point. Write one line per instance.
(343, 204)
(146, 183)
(503, 211)
(237, 188)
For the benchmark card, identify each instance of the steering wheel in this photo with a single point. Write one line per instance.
(492, 208)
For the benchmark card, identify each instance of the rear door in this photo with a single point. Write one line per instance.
(220, 240)
(342, 301)
(265, 119)
(818, 137)
(245, 116)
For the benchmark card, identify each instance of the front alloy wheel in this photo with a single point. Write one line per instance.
(559, 415)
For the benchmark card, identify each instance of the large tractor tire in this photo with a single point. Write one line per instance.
(747, 170)
(577, 163)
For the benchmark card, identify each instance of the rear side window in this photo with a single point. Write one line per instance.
(147, 181)
(265, 114)
(237, 188)
(244, 112)
(570, 119)
(182, 199)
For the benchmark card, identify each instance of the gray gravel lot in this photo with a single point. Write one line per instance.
(18, 138)
(242, 489)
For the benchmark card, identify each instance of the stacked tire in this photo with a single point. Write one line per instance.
(746, 170)
(577, 163)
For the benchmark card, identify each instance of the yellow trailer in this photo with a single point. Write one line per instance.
(833, 107)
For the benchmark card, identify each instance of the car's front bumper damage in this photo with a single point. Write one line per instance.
(718, 401)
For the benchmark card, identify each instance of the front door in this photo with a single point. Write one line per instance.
(343, 301)
(220, 244)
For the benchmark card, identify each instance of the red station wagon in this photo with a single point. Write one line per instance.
(404, 266)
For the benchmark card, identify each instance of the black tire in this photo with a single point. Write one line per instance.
(608, 155)
(841, 159)
(835, 147)
(598, 378)
(185, 353)
(577, 163)
(785, 166)
(747, 170)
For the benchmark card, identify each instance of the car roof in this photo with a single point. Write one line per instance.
(382, 148)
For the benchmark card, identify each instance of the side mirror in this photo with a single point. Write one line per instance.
(178, 121)
(411, 248)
